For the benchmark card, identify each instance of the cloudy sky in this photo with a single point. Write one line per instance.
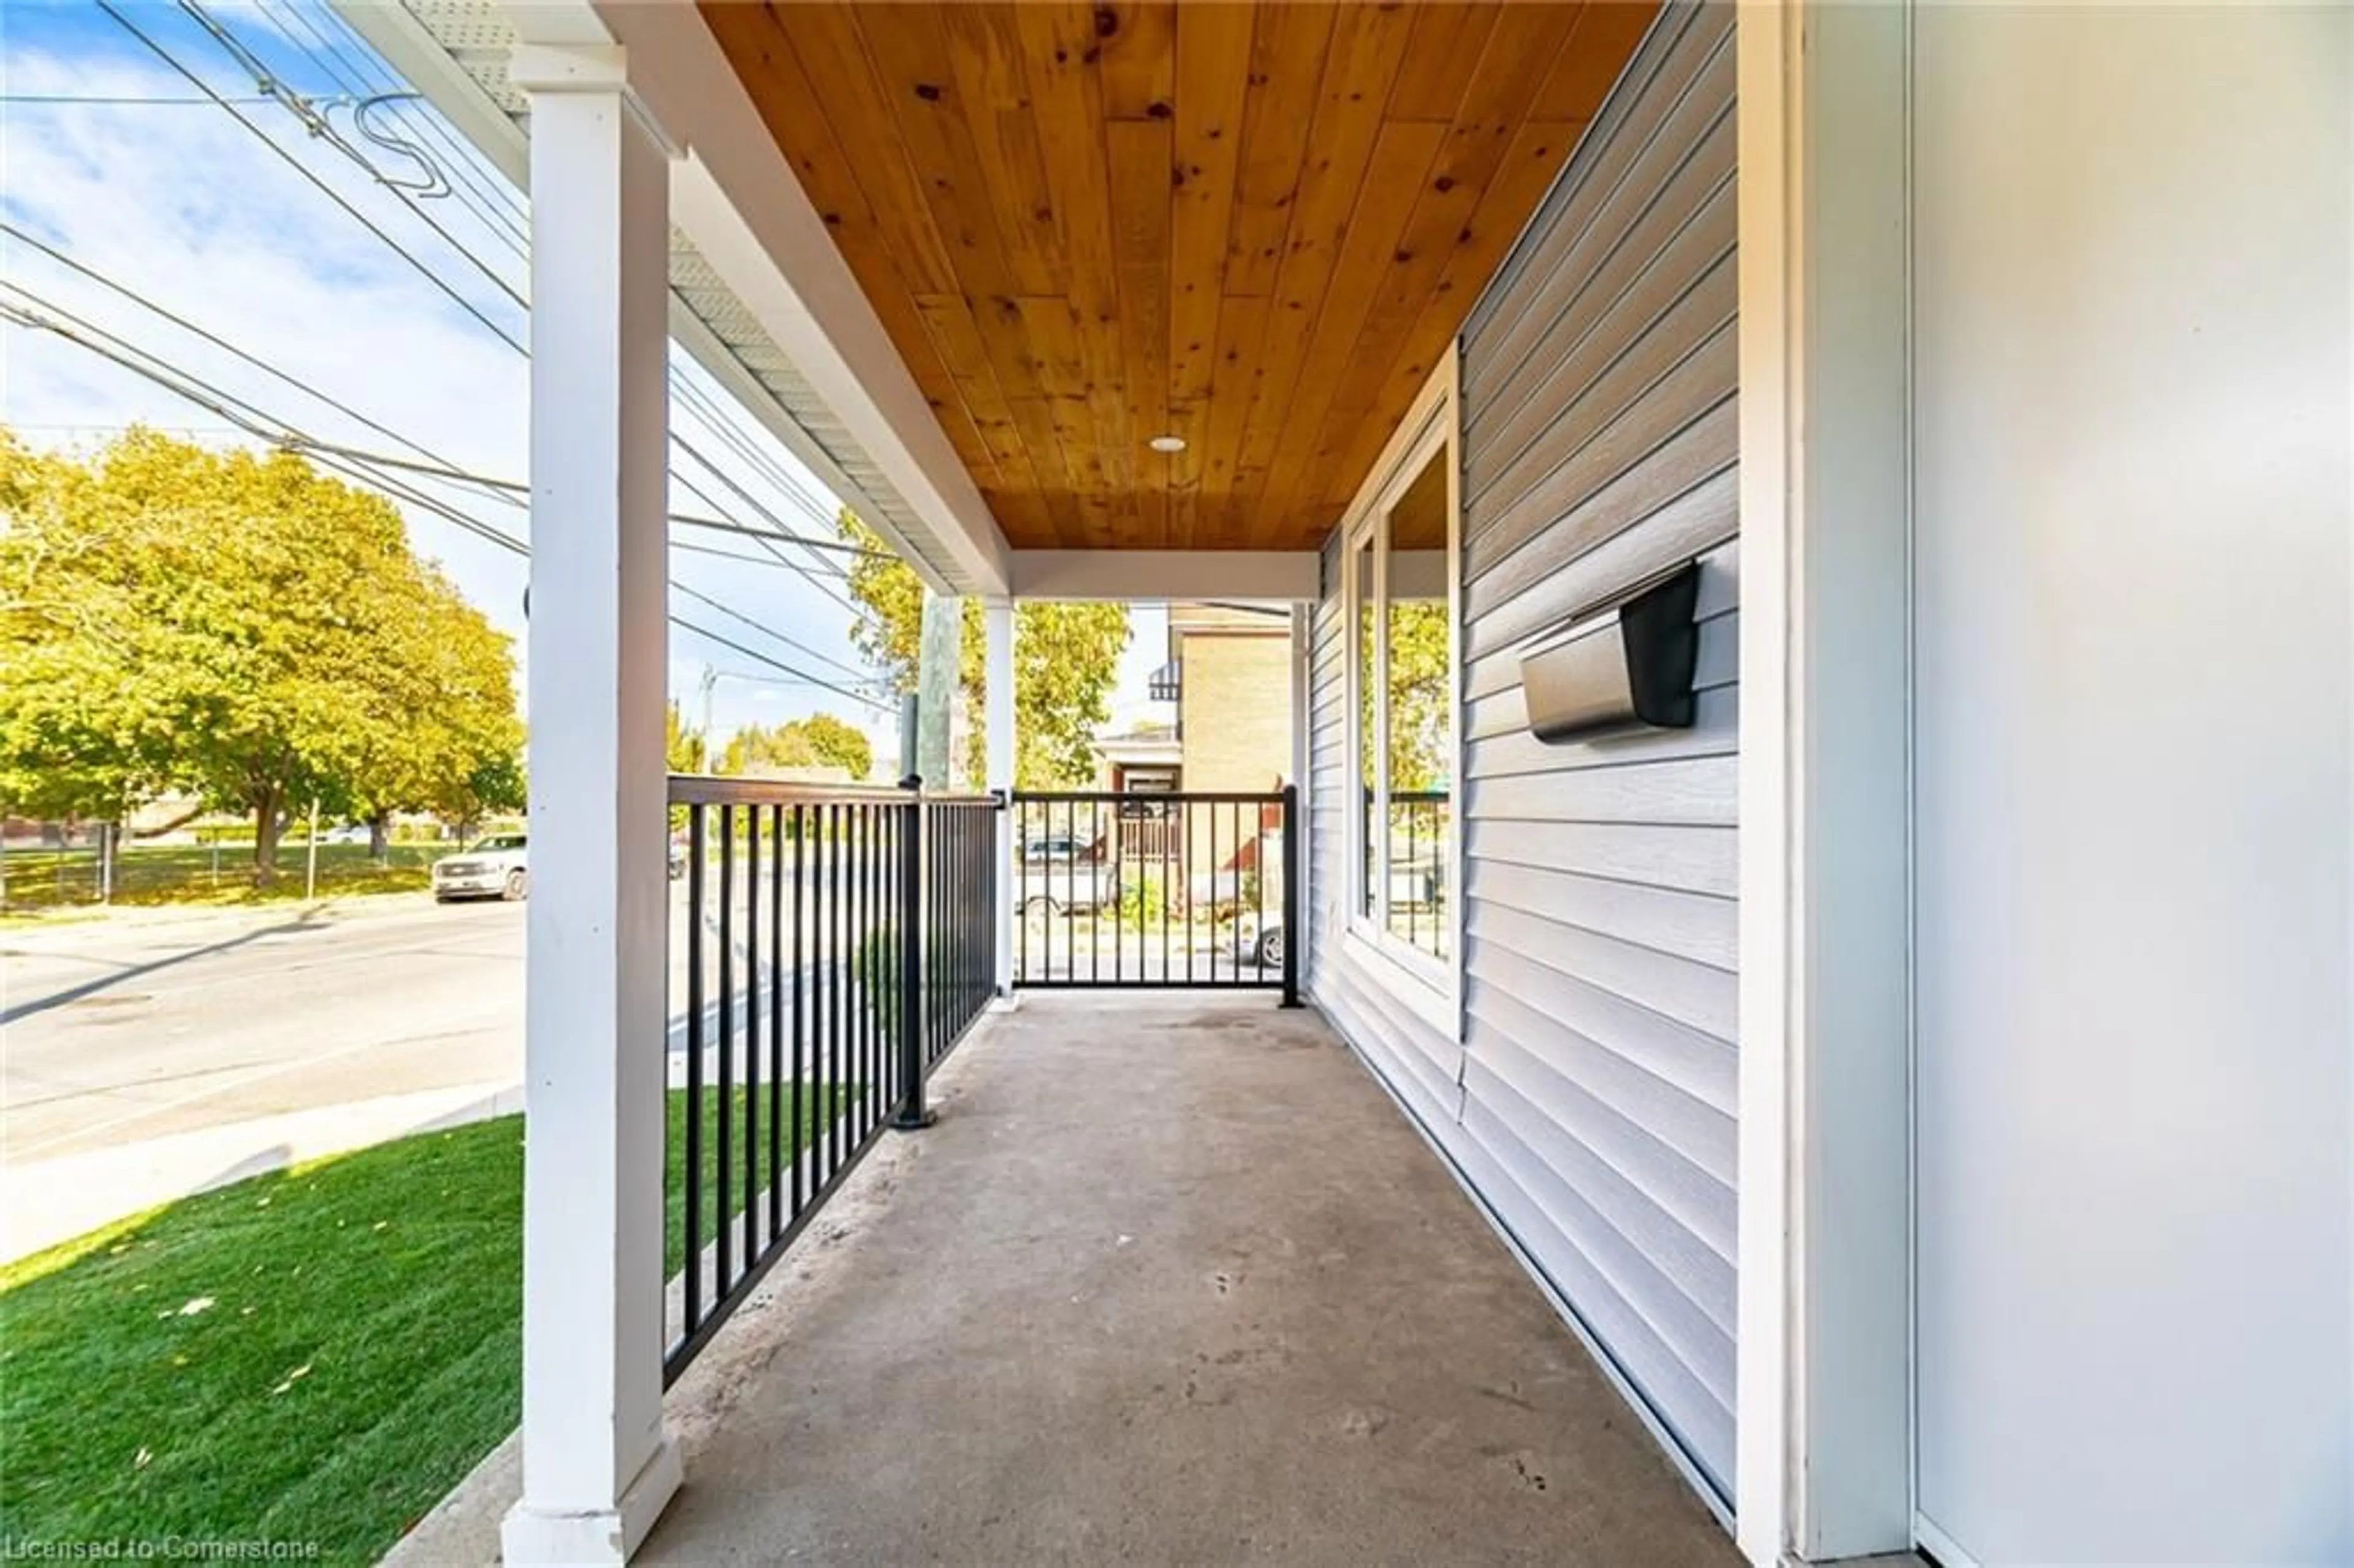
(112, 156)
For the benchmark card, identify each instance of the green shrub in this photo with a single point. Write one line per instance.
(1143, 902)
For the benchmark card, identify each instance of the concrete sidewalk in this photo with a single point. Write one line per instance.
(50, 1200)
(1171, 1282)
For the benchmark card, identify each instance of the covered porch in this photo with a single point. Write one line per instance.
(1171, 1281)
(1622, 401)
(1131, 302)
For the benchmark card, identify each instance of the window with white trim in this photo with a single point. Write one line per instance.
(1401, 618)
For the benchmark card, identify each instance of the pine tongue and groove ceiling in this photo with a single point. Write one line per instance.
(1256, 227)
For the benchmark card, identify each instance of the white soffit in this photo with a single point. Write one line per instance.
(456, 52)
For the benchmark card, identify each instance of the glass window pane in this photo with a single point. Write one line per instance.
(1416, 742)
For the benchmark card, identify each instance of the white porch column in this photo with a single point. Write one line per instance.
(597, 1465)
(997, 680)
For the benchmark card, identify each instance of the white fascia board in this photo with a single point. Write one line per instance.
(738, 199)
(1276, 577)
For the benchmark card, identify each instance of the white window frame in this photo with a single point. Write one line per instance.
(1431, 426)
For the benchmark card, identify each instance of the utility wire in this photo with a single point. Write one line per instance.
(688, 393)
(704, 598)
(491, 200)
(318, 121)
(169, 59)
(691, 449)
(502, 489)
(185, 324)
(122, 100)
(308, 173)
(820, 515)
(247, 417)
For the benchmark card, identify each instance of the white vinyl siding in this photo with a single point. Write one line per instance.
(1591, 1098)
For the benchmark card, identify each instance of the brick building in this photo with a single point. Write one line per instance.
(1229, 674)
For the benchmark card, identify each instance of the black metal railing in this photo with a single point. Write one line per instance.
(829, 946)
(1156, 890)
(961, 921)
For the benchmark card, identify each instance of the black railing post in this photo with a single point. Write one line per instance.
(909, 1015)
(1290, 926)
(692, 1131)
(1000, 888)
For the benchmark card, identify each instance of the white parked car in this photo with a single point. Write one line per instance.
(490, 867)
(1057, 874)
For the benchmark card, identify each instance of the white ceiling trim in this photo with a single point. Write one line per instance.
(1275, 577)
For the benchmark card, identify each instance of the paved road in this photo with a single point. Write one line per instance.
(157, 1053)
(125, 1031)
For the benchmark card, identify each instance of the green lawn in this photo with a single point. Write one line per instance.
(315, 1355)
(187, 874)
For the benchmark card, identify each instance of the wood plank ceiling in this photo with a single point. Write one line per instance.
(1252, 226)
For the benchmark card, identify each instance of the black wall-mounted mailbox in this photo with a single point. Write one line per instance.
(1623, 664)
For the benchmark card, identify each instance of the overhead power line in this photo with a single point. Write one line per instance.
(248, 417)
(499, 280)
(302, 169)
(504, 488)
(506, 218)
(410, 195)
(120, 100)
(488, 198)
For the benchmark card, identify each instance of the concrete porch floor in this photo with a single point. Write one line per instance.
(1173, 1281)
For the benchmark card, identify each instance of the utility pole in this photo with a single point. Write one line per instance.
(911, 767)
(936, 682)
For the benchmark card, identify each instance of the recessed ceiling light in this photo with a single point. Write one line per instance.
(1166, 443)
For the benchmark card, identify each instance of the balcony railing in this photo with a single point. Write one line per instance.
(1156, 890)
(836, 944)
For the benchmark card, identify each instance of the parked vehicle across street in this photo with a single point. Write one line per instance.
(493, 866)
(1060, 872)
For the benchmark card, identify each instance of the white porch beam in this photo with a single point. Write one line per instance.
(597, 1465)
(997, 682)
(1285, 577)
(1823, 1400)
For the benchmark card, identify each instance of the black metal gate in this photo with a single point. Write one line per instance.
(1155, 889)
